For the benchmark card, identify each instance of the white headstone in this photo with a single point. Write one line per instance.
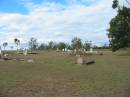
(25, 52)
(91, 50)
(57, 50)
(65, 49)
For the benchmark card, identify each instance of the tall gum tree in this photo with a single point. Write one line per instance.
(119, 31)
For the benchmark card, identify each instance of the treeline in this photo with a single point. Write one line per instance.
(76, 43)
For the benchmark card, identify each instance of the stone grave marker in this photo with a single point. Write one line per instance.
(25, 52)
(91, 50)
(80, 60)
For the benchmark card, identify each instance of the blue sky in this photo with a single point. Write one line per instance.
(57, 20)
(12, 6)
(17, 6)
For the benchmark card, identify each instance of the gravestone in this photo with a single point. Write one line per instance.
(25, 52)
(80, 60)
(57, 50)
(65, 49)
(91, 50)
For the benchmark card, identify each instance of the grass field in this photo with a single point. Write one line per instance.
(56, 75)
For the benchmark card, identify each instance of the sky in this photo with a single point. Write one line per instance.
(57, 20)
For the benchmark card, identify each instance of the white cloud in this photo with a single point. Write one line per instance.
(58, 22)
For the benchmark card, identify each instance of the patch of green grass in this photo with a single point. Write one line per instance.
(56, 75)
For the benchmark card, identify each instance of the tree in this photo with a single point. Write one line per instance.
(17, 42)
(117, 5)
(119, 31)
(76, 43)
(5, 44)
(62, 45)
(42, 46)
(52, 45)
(87, 45)
(33, 43)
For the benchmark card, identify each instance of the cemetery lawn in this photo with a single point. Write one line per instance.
(54, 74)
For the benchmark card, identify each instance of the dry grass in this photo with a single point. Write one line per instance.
(56, 75)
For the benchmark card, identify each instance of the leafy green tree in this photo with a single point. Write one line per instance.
(87, 45)
(62, 45)
(42, 46)
(76, 43)
(119, 31)
(52, 45)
